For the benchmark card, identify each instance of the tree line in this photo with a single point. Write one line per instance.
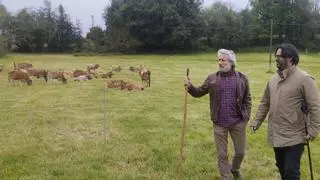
(133, 26)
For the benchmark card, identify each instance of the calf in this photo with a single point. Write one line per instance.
(145, 76)
(19, 76)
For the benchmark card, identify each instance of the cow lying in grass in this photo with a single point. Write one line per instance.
(1, 67)
(83, 78)
(123, 85)
(20, 76)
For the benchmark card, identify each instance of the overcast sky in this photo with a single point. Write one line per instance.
(83, 9)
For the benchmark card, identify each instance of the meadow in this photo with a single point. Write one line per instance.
(83, 130)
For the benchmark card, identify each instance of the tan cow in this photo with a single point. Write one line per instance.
(22, 65)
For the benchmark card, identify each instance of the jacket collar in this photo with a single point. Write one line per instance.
(285, 73)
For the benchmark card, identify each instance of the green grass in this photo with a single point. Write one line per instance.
(55, 131)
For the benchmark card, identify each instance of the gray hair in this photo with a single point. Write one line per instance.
(229, 53)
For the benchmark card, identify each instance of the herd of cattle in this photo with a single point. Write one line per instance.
(24, 72)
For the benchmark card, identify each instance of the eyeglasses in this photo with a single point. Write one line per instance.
(279, 56)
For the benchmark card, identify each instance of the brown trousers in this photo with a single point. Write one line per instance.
(238, 136)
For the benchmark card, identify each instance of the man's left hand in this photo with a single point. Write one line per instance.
(309, 138)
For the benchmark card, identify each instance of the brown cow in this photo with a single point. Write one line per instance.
(19, 76)
(1, 67)
(145, 75)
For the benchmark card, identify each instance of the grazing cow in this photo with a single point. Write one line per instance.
(116, 68)
(59, 75)
(145, 75)
(79, 72)
(107, 75)
(38, 73)
(1, 67)
(92, 67)
(19, 76)
(22, 66)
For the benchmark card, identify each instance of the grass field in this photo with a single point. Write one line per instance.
(55, 131)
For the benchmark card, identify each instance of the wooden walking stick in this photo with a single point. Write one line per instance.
(183, 129)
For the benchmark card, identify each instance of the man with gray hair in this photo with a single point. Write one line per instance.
(230, 106)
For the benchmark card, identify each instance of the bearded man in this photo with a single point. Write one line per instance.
(230, 107)
(289, 91)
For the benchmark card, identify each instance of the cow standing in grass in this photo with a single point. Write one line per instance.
(15, 75)
(145, 76)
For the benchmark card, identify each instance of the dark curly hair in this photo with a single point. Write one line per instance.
(289, 51)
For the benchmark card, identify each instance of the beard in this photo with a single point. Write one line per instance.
(225, 68)
(281, 64)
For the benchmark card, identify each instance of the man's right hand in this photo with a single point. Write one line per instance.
(187, 82)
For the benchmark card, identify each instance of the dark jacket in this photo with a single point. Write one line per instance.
(212, 86)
